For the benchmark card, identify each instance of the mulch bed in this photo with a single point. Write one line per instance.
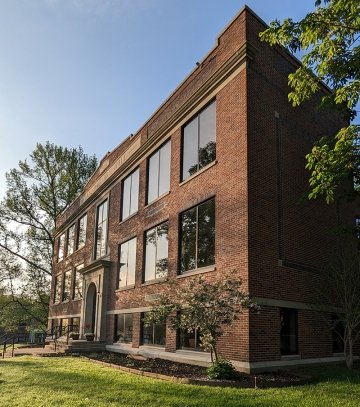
(191, 374)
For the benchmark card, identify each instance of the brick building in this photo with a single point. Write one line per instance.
(213, 181)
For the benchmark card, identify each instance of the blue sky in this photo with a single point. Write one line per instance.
(90, 72)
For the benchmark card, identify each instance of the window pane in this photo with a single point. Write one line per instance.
(159, 334)
(190, 148)
(71, 240)
(128, 328)
(101, 230)
(188, 240)
(127, 263)
(288, 332)
(147, 334)
(162, 250)
(190, 340)
(206, 234)
(61, 247)
(82, 232)
(57, 289)
(126, 198)
(123, 332)
(207, 136)
(164, 172)
(123, 264)
(150, 255)
(78, 282)
(131, 262)
(67, 285)
(134, 192)
(153, 182)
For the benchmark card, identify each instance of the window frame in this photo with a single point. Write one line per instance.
(195, 116)
(68, 252)
(295, 334)
(58, 283)
(145, 252)
(95, 257)
(76, 273)
(157, 151)
(63, 235)
(122, 218)
(153, 331)
(65, 280)
(180, 234)
(119, 264)
(123, 315)
(77, 245)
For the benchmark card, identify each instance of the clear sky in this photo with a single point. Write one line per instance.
(90, 72)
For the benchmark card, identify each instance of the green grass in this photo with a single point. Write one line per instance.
(32, 381)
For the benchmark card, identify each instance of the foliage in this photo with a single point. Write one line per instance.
(202, 304)
(329, 39)
(221, 369)
(37, 192)
(340, 288)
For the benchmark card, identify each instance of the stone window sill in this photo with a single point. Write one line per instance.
(155, 281)
(157, 199)
(197, 271)
(198, 173)
(128, 287)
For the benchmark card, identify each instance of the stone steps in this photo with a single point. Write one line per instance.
(78, 346)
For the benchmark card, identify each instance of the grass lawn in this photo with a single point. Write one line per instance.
(33, 381)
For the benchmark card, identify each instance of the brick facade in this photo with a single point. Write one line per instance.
(264, 230)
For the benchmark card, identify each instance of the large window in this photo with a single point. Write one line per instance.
(67, 286)
(123, 328)
(159, 173)
(78, 283)
(198, 236)
(81, 232)
(70, 240)
(199, 141)
(130, 195)
(57, 289)
(155, 334)
(190, 340)
(101, 230)
(288, 331)
(127, 263)
(156, 252)
(61, 247)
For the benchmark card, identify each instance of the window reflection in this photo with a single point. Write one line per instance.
(198, 236)
(199, 141)
(156, 254)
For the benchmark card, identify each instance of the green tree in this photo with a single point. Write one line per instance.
(328, 37)
(37, 192)
(202, 304)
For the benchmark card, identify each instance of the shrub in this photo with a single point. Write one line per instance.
(221, 369)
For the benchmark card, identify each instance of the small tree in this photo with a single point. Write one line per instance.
(340, 292)
(202, 304)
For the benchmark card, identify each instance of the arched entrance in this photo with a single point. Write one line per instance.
(90, 312)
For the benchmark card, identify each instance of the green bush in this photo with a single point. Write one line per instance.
(222, 369)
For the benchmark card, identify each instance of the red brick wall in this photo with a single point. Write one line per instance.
(245, 185)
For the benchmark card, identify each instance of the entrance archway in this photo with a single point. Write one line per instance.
(90, 312)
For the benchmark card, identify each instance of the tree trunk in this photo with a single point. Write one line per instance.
(213, 350)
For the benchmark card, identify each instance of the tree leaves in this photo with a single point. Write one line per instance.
(330, 38)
